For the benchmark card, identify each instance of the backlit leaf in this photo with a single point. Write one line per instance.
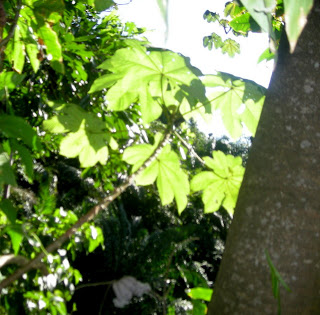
(87, 136)
(16, 234)
(241, 23)
(239, 102)
(220, 186)
(53, 47)
(18, 51)
(200, 293)
(231, 47)
(143, 77)
(171, 181)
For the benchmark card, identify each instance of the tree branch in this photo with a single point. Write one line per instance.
(13, 25)
(88, 216)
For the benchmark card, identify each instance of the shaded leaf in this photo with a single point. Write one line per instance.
(101, 5)
(16, 127)
(9, 210)
(6, 173)
(296, 13)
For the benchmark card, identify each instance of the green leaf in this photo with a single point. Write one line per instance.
(251, 115)
(295, 14)
(18, 51)
(145, 77)
(16, 234)
(6, 174)
(241, 23)
(172, 182)
(221, 186)
(101, 5)
(31, 45)
(199, 308)
(53, 47)
(266, 55)
(261, 13)
(16, 127)
(240, 102)
(200, 293)
(87, 135)
(26, 158)
(94, 236)
(9, 210)
(233, 9)
(231, 47)
(9, 81)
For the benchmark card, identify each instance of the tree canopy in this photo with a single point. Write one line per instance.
(100, 156)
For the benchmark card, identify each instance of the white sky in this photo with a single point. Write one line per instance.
(186, 31)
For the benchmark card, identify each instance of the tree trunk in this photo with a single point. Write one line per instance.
(278, 209)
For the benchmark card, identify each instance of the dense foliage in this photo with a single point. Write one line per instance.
(89, 109)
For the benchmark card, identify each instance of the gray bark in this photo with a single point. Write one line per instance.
(278, 209)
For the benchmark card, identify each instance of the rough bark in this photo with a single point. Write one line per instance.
(278, 209)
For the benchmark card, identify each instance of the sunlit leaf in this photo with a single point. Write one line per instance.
(172, 182)
(200, 293)
(241, 23)
(142, 76)
(233, 9)
(220, 186)
(239, 102)
(266, 55)
(231, 47)
(87, 136)
(16, 234)
(53, 46)
(18, 51)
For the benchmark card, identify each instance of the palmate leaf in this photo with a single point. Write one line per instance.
(143, 77)
(240, 101)
(172, 182)
(87, 136)
(231, 47)
(220, 186)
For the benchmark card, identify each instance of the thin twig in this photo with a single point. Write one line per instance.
(95, 284)
(13, 25)
(190, 148)
(93, 212)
